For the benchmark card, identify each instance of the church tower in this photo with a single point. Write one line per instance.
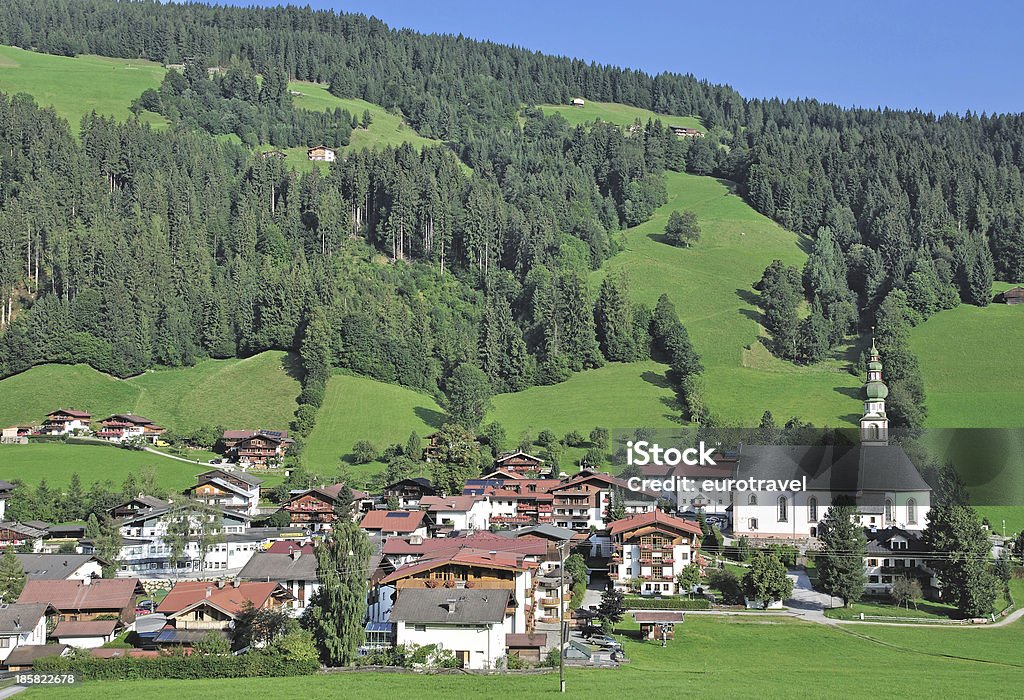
(874, 424)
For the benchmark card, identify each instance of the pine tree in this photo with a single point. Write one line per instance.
(468, 392)
(613, 315)
(841, 560)
(767, 432)
(12, 577)
(612, 607)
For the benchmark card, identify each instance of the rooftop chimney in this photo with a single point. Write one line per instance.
(209, 591)
(296, 553)
(236, 583)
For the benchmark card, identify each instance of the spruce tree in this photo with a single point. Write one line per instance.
(613, 315)
(841, 560)
(12, 577)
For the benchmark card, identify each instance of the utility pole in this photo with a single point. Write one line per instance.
(561, 616)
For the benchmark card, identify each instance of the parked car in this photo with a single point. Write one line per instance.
(604, 641)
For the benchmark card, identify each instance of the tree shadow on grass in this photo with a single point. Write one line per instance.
(852, 392)
(658, 380)
(435, 419)
(291, 363)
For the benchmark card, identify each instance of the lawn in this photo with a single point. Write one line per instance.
(76, 86)
(255, 392)
(56, 462)
(711, 287)
(968, 357)
(358, 408)
(619, 397)
(26, 398)
(616, 114)
(722, 657)
(924, 610)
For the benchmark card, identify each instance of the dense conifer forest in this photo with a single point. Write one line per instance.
(125, 247)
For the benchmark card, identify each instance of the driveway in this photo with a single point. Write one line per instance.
(807, 602)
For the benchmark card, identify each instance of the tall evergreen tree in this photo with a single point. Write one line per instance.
(841, 560)
(337, 611)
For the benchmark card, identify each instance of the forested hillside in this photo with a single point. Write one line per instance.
(125, 247)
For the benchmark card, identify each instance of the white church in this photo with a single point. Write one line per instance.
(885, 485)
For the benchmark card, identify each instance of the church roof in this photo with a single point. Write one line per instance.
(836, 468)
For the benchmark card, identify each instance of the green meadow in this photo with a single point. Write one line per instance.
(56, 462)
(255, 392)
(624, 115)
(77, 86)
(358, 408)
(711, 285)
(766, 656)
(385, 130)
(970, 360)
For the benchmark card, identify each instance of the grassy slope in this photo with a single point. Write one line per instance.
(710, 285)
(27, 397)
(386, 129)
(357, 408)
(968, 357)
(259, 391)
(616, 114)
(614, 396)
(76, 86)
(970, 362)
(779, 658)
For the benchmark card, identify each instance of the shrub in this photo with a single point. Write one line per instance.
(254, 664)
(641, 603)
(363, 452)
(728, 583)
(574, 439)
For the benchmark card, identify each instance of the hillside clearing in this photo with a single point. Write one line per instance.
(624, 115)
(255, 392)
(77, 86)
(711, 287)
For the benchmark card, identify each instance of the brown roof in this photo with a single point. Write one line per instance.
(84, 628)
(393, 520)
(658, 616)
(71, 412)
(483, 558)
(442, 504)
(537, 639)
(28, 654)
(100, 594)
(231, 599)
(433, 547)
(129, 418)
(655, 517)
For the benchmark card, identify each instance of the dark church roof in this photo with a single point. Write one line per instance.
(836, 468)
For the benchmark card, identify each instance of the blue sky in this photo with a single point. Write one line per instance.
(933, 55)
